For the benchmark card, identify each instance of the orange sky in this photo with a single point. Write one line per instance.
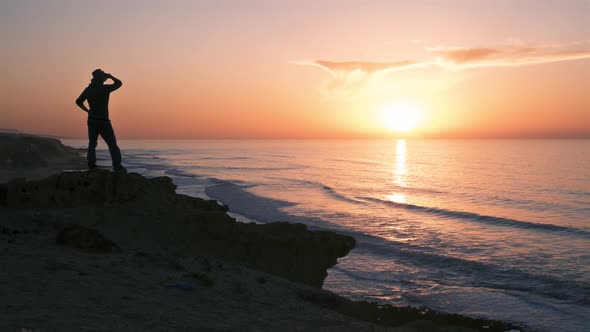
(297, 69)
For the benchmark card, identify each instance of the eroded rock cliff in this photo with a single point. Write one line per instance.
(146, 214)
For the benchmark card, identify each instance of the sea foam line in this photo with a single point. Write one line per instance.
(472, 216)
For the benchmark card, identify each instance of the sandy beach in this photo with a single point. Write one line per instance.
(104, 251)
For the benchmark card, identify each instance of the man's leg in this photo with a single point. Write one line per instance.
(108, 134)
(92, 138)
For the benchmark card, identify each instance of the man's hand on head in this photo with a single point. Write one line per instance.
(116, 82)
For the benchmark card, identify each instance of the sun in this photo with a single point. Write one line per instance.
(400, 117)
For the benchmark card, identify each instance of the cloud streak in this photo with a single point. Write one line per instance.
(366, 67)
(350, 76)
(509, 56)
(465, 55)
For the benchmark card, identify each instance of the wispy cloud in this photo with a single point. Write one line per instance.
(464, 55)
(366, 67)
(353, 77)
(350, 76)
(510, 55)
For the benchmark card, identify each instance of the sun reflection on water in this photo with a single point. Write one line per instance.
(397, 198)
(399, 171)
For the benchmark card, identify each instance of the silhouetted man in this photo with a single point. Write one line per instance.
(97, 94)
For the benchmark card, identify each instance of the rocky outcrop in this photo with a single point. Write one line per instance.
(28, 151)
(389, 315)
(147, 214)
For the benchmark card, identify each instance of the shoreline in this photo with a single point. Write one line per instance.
(163, 277)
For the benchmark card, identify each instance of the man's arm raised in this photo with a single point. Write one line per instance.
(117, 83)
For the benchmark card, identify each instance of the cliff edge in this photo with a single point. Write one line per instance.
(146, 214)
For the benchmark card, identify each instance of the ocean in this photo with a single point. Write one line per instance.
(488, 228)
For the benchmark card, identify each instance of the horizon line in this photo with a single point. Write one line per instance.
(524, 136)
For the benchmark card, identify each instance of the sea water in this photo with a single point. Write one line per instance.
(487, 228)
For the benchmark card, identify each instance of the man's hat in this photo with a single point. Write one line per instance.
(98, 74)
